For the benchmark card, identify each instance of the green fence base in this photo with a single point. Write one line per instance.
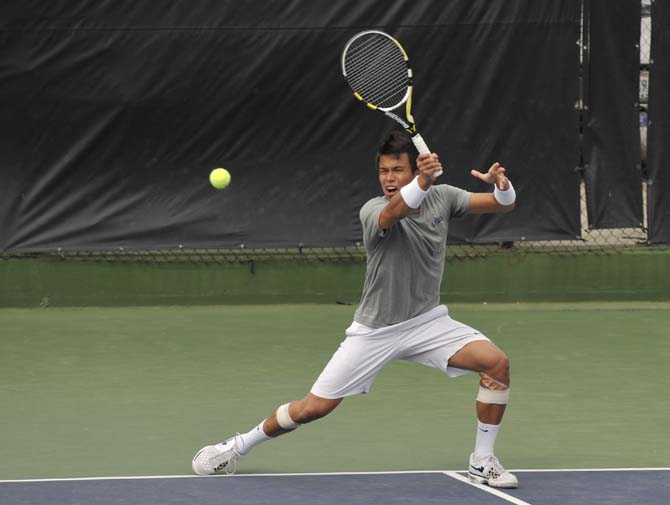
(34, 282)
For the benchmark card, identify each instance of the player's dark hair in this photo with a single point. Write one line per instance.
(396, 142)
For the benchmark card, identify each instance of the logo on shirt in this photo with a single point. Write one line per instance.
(437, 220)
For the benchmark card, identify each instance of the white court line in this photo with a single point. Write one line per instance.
(488, 489)
(247, 475)
(317, 474)
(650, 469)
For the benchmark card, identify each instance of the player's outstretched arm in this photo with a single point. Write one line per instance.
(503, 198)
(409, 198)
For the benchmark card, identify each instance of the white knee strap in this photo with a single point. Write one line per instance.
(492, 396)
(284, 418)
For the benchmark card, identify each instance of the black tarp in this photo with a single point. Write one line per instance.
(114, 112)
(612, 124)
(509, 96)
(658, 132)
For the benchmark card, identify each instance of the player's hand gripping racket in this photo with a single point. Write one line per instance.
(377, 68)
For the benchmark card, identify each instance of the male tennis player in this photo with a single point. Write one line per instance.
(400, 316)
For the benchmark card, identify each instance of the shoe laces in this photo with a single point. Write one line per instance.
(495, 469)
(231, 465)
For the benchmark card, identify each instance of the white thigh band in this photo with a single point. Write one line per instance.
(284, 418)
(491, 396)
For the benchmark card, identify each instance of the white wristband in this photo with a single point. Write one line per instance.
(507, 197)
(413, 194)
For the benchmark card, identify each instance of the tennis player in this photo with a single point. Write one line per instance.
(400, 315)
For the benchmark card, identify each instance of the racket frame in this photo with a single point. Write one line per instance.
(408, 123)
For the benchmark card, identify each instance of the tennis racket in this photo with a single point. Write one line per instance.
(377, 68)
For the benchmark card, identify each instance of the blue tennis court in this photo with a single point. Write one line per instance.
(544, 487)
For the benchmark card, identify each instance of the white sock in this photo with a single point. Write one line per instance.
(251, 439)
(486, 439)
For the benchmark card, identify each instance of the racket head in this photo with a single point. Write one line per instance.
(377, 69)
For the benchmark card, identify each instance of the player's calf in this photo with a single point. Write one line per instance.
(484, 467)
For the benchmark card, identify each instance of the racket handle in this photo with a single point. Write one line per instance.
(423, 148)
(420, 144)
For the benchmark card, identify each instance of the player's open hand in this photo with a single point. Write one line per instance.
(428, 164)
(495, 175)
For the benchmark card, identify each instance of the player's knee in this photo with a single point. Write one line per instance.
(503, 363)
(497, 364)
(494, 386)
(496, 372)
(313, 409)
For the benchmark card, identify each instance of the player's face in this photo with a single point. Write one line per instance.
(394, 173)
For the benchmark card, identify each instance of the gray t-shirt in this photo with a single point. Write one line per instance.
(405, 263)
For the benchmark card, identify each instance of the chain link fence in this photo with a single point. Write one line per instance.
(603, 241)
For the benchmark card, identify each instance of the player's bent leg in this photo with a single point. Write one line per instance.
(223, 457)
(493, 367)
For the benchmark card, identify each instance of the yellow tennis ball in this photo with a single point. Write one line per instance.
(220, 178)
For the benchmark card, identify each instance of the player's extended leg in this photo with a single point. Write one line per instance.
(493, 367)
(223, 457)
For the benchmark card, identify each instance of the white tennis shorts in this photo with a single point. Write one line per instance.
(430, 339)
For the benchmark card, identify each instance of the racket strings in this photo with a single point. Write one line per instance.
(378, 74)
(381, 83)
(365, 49)
(377, 70)
(382, 86)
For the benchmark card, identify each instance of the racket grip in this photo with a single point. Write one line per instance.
(421, 146)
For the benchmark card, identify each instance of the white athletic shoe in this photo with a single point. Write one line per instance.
(488, 470)
(216, 459)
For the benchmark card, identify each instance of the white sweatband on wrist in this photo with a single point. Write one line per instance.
(492, 396)
(507, 197)
(413, 194)
(284, 418)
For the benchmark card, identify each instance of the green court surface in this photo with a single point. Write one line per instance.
(136, 391)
